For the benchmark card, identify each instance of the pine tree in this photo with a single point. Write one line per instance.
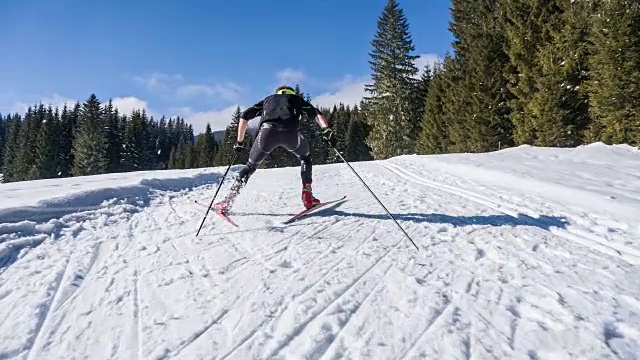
(180, 158)
(172, 159)
(357, 148)
(68, 124)
(3, 137)
(163, 145)
(434, 136)
(392, 108)
(529, 26)
(225, 152)
(558, 106)
(205, 148)
(12, 150)
(26, 156)
(90, 143)
(453, 104)
(133, 151)
(614, 88)
(150, 158)
(114, 137)
(423, 87)
(188, 156)
(46, 147)
(483, 121)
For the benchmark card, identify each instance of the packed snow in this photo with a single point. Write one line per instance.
(524, 253)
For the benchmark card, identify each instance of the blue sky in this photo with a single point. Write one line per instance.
(197, 59)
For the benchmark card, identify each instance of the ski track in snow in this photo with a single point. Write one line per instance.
(505, 269)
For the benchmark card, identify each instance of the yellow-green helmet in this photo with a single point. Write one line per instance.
(285, 89)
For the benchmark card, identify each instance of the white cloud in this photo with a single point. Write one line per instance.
(349, 91)
(126, 105)
(159, 81)
(218, 119)
(424, 59)
(176, 85)
(228, 91)
(290, 76)
(55, 100)
(59, 101)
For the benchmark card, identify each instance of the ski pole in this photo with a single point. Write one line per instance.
(374, 195)
(216, 194)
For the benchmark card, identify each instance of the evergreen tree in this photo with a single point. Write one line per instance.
(114, 137)
(453, 104)
(179, 158)
(423, 87)
(133, 152)
(90, 143)
(205, 148)
(392, 108)
(151, 158)
(3, 137)
(162, 143)
(529, 25)
(434, 136)
(357, 148)
(68, 123)
(172, 159)
(26, 156)
(46, 163)
(188, 155)
(225, 152)
(558, 105)
(483, 121)
(11, 169)
(614, 88)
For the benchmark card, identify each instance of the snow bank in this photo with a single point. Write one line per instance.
(42, 200)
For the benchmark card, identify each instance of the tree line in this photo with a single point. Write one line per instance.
(557, 73)
(554, 73)
(93, 138)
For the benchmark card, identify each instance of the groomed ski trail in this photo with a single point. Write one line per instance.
(505, 269)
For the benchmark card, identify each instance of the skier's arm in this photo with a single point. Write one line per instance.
(242, 128)
(322, 121)
(252, 111)
(247, 115)
(312, 112)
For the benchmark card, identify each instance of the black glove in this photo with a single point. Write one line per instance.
(239, 146)
(329, 137)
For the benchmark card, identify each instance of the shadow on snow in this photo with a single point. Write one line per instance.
(543, 221)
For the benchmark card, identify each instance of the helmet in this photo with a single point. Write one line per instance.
(284, 89)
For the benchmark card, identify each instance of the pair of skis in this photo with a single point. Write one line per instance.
(295, 217)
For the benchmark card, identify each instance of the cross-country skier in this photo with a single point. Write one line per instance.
(279, 126)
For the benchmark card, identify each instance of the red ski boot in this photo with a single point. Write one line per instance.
(308, 200)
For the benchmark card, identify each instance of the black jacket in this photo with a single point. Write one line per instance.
(284, 110)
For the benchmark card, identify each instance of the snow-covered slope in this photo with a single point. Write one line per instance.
(526, 253)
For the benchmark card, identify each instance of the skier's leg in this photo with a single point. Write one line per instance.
(299, 146)
(261, 147)
(265, 143)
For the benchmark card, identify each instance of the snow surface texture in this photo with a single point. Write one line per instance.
(526, 253)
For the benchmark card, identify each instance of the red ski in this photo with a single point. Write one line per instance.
(312, 209)
(225, 217)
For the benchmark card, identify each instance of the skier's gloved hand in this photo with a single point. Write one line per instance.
(329, 137)
(239, 146)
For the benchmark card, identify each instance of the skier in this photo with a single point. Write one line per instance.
(279, 126)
